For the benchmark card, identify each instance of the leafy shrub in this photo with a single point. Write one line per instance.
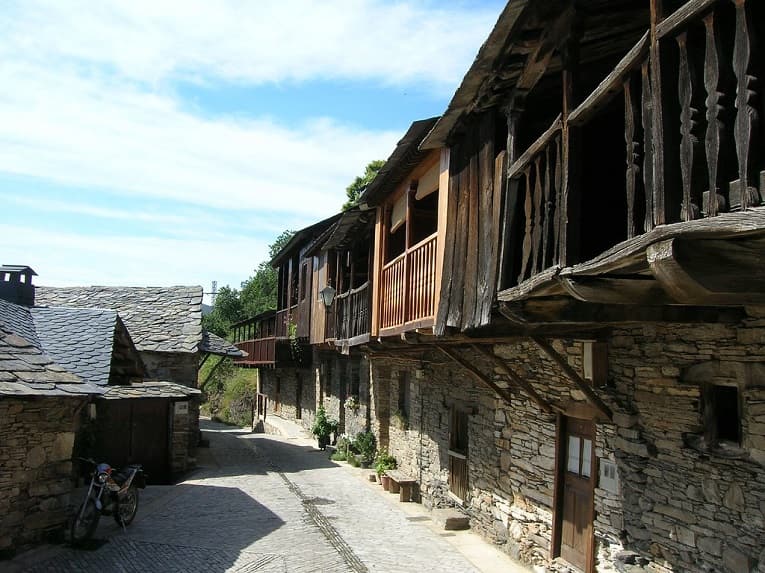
(384, 462)
(364, 443)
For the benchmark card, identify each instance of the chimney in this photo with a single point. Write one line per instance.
(16, 284)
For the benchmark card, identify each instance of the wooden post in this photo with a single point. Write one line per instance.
(571, 200)
(713, 200)
(659, 215)
(506, 271)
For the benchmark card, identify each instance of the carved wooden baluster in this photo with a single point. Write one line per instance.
(746, 96)
(712, 199)
(547, 208)
(647, 108)
(688, 124)
(526, 252)
(632, 157)
(558, 191)
(537, 213)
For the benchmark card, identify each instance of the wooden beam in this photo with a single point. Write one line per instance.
(502, 365)
(477, 374)
(563, 312)
(683, 268)
(572, 374)
(617, 290)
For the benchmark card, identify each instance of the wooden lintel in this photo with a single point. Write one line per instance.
(517, 380)
(477, 374)
(562, 312)
(572, 374)
(710, 271)
(616, 290)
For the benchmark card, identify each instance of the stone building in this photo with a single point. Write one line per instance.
(566, 331)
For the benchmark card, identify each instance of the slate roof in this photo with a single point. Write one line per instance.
(214, 344)
(17, 319)
(159, 319)
(150, 389)
(26, 371)
(79, 339)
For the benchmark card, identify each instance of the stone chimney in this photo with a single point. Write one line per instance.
(16, 284)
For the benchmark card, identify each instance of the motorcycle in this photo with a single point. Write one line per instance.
(110, 493)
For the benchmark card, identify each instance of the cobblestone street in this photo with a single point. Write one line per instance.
(265, 503)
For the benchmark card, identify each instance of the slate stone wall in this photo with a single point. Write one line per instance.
(283, 402)
(36, 441)
(178, 367)
(680, 505)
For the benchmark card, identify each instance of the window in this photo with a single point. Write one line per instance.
(722, 414)
(303, 280)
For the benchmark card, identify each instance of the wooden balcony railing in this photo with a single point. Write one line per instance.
(259, 351)
(282, 320)
(691, 148)
(408, 286)
(352, 318)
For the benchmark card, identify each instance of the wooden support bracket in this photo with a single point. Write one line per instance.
(580, 383)
(517, 380)
(477, 374)
(212, 371)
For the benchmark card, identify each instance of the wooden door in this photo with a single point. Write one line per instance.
(578, 477)
(458, 454)
(149, 445)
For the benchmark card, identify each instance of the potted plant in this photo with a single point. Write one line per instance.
(322, 427)
(384, 462)
(365, 445)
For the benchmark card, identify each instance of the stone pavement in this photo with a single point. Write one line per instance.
(271, 503)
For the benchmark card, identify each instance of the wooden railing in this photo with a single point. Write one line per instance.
(537, 177)
(283, 318)
(677, 136)
(408, 285)
(259, 351)
(352, 318)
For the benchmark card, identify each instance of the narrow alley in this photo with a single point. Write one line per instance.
(271, 503)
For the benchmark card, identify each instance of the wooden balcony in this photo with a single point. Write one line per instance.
(668, 139)
(352, 317)
(408, 289)
(260, 352)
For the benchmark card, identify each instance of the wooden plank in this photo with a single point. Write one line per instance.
(535, 149)
(536, 246)
(506, 272)
(487, 235)
(470, 276)
(578, 381)
(630, 120)
(377, 265)
(611, 84)
(647, 103)
(689, 12)
(477, 374)
(548, 208)
(497, 241)
(450, 239)
(443, 207)
(515, 378)
(455, 316)
(659, 206)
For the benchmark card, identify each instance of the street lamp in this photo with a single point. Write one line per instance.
(327, 295)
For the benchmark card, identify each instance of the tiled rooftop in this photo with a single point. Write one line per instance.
(150, 389)
(79, 339)
(214, 344)
(26, 371)
(161, 319)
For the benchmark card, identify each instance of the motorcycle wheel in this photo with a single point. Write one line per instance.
(128, 506)
(84, 522)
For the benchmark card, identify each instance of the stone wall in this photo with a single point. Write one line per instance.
(178, 367)
(679, 505)
(185, 435)
(330, 380)
(36, 441)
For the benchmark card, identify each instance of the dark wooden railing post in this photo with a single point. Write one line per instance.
(713, 200)
(747, 119)
(688, 124)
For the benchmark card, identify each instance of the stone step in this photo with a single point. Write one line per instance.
(450, 519)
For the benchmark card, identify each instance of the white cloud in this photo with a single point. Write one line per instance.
(259, 41)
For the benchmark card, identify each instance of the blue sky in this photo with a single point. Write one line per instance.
(160, 143)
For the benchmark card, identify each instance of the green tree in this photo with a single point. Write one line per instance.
(257, 294)
(260, 290)
(354, 190)
(227, 310)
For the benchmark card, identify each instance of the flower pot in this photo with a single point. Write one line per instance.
(385, 480)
